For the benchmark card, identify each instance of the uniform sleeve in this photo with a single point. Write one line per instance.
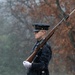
(44, 58)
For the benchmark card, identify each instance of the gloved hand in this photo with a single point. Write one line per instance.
(27, 64)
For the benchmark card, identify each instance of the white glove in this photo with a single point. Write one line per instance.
(27, 64)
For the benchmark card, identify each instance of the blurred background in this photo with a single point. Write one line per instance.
(17, 38)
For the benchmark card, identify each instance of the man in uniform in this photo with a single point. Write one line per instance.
(39, 65)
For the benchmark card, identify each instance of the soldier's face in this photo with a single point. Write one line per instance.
(40, 34)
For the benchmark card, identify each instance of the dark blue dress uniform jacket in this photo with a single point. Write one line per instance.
(41, 61)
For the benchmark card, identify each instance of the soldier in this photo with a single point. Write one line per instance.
(39, 66)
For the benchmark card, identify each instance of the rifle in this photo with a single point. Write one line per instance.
(42, 43)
